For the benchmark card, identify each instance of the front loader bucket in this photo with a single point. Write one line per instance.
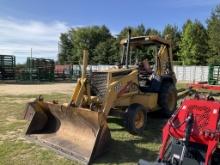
(78, 133)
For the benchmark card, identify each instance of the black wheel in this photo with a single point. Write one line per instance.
(168, 99)
(135, 118)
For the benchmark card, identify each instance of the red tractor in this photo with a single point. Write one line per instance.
(191, 135)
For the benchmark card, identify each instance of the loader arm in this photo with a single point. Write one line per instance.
(78, 92)
(115, 88)
(81, 86)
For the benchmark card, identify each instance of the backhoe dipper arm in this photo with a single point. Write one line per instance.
(115, 88)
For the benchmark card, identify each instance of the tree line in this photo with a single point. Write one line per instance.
(193, 44)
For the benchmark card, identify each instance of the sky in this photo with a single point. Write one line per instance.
(37, 24)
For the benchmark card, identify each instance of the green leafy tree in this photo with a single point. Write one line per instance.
(214, 32)
(152, 31)
(73, 42)
(193, 44)
(174, 35)
(107, 52)
(135, 31)
(214, 60)
(65, 48)
(88, 38)
(140, 30)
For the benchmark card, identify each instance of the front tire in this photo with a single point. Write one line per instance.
(135, 119)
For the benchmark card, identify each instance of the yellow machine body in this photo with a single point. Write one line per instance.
(79, 129)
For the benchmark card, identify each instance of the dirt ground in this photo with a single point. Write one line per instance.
(26, 89)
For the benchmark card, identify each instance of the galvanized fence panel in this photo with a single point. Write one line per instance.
(191, 73)
(183, 73)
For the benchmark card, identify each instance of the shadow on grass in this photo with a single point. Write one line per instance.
(129, 149)
(125, 152)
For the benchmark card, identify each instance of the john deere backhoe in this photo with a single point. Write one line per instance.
(79, 128)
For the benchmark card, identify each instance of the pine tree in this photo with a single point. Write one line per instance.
(174, 35)
(214, 36)
(194, 43)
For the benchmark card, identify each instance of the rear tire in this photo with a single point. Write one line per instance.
(135, 118)
(168, 99)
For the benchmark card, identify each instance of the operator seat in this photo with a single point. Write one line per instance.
(147, 82)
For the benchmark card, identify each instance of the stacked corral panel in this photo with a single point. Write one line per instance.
(39, 69)
(7, 67)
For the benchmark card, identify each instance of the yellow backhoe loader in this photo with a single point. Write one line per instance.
(142, 82)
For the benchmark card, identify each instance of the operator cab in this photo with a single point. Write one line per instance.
(145, 53)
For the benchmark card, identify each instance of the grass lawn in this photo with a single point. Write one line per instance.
(124, 149)
(15, 149)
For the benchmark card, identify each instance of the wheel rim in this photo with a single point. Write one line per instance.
(139, 119)
(171, 102)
